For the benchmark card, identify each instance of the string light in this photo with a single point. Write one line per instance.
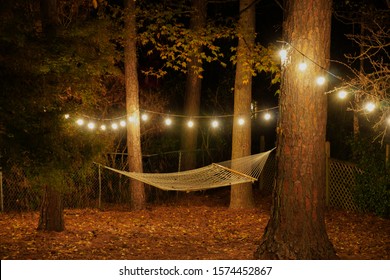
(168, 121)
(311, 60)
(190, 124)
(342, 94)
(80, 122)
(283, 55)
(369, 107)
(214, 123)
(118, 122)
(302, 66)
(114, 126)
(144, 117)
(241, 121)
(91, 125)
(320, 80)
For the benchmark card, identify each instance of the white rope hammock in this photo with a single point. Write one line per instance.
(231, 172)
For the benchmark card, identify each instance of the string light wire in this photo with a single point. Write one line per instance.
(318, 65)
(168, 116)
(146, 114)
(368, 106)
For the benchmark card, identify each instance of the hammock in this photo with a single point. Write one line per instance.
(231, 172)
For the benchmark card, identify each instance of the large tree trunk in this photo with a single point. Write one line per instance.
(193, 88)
(297, 229)
(52, 211)
(137, 190)
(51, 214)
(241, 194)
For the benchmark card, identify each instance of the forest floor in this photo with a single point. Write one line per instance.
(193, 227)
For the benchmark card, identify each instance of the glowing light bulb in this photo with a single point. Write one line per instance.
(267, 116)
(91, 125)
(370, 106)
(320, 81)
(114, 126)
(144, 117)
(283, 55)
(214, 123)
(302, 66)
(131, 119)
(190, 123)
(80, 122)
(168, 121)
(66, 116)
(241, 121)
(122, 123)
(103, 127)
(342, 94)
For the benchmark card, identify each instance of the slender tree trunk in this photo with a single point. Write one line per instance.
(241, 194)
(137, 190)
(51, 213)
(193, 88)
(297, 229)
(356, 126)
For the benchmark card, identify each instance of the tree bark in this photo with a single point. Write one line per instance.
(137, 189)
(356, 126)
(51, 212)
(296, 229)
(241, 194)
(193, 88)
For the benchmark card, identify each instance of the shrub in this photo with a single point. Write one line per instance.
(372, 191)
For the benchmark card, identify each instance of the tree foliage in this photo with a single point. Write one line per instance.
(370, 80)
(42, 80)
(165, 33)
(372, 191)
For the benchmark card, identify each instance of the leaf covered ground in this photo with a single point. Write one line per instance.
(197, 228)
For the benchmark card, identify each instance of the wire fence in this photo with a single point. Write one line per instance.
(103, 186)
(95, 189)
(19, 194)
(16, 191)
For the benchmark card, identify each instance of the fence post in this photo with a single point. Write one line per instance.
(179, 163)
(100, 187)
(327, 172)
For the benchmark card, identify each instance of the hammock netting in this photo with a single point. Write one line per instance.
(231, 172)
